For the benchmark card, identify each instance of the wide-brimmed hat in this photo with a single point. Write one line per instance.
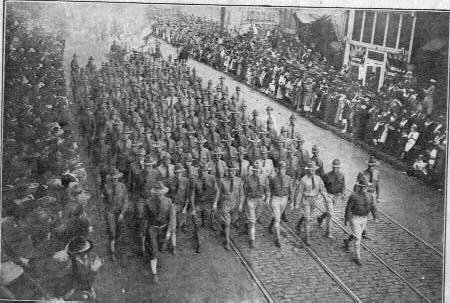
(204, 167)
(264, 150)
(158, 144)
(362, 181)
(336, 163)
(217, 151)
(299, 138)
(201, 140)
(79, 245)
(315, 149)
(179, 168)
(149, 161)
(311, 166)
(160, 189)
(372, 161)
(188, 158)
(242, 150)
(115, 174)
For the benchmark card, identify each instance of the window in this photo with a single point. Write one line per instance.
(379, 28)
(357, 25)
(391, 38)
(405, 35)
(368, 24)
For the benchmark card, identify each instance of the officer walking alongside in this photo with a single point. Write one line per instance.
(257, 193)
(335, 185)
(359, 205)
(281, 191)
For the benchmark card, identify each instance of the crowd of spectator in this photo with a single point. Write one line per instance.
(399, 119)
(44, 222)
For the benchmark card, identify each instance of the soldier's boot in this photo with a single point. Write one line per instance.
(272, 222)
(365, 235)
(299, 224)
(328, 227)
(284, 217)
(197, 240)
(321, 218)
(347, 241)
(153, 265)
(277, 234)
(173, 243)
(251, 232)
(112, 247)
(227, 237)
(307, 233)
(213, 222)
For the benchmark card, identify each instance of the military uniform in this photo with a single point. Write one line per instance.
(256, 190)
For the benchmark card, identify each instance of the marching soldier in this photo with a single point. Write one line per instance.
(309, 190)
(218, 166)
(159, 224)
(204, 196)
(372, 175)
(166, 169)
(243, 164)
(266, 164)
(257, 194)
(282, 193)
(302, 155)
(359, 205)
(135, 174)
(334, 182)
(319, 163)
(179, 193)
(231, 197)
(116, 203)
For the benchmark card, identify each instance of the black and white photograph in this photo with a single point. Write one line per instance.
(224, 151)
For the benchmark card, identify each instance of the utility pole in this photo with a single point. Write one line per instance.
(222, 18)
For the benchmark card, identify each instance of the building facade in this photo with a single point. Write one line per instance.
(378, 43)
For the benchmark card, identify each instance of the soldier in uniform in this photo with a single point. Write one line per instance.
(218, 166)
(309, 190)
(266, 164)
(116, 202)
(159, 223)
(243, 164)
(201, 153)
(85, 265)
(372, 175)
(319, 163)
(334, 182)
(204, 195)
(166, 169)
(302, 155)
(282, 193)
(360, 204)
(135, 173)
(179, 192)
(231, 196)
(257, 193)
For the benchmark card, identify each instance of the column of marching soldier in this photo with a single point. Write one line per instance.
(168, 149)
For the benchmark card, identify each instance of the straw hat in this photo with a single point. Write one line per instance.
(311, 166)
(179, 168)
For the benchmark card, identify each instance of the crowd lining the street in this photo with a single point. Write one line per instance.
(399, 120)
(45, 251)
